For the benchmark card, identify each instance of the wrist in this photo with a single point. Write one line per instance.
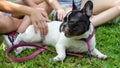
(30, 12)
(59, 9)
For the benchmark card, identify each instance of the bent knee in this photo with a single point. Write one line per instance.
(8, 24)
(116, 3)
(118, 8)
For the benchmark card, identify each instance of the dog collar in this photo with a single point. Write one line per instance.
(87, 40)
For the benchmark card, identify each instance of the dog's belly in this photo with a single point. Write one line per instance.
(77, 46)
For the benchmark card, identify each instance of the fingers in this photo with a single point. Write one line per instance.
(35, 27)
(39, 19)
(43, 28)
(43, 25)
(61, 14)
(46, 16)
(43, 12)
(60, 17)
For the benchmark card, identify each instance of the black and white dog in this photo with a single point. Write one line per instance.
(75, 27)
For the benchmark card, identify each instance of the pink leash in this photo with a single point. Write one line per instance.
(87, 40)
(40, 50)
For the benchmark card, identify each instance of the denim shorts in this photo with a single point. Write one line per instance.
(6, 14)
(66, 3)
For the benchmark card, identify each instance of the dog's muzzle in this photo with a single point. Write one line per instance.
(62, 26)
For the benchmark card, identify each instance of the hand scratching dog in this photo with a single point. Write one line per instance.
(75, 27)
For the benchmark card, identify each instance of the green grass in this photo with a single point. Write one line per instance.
(108, 42)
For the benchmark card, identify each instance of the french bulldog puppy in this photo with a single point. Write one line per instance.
(75, 27)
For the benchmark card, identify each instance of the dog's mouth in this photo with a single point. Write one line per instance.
(66, 32)
(67, 35)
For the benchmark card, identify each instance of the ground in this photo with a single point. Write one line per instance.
(108, 42)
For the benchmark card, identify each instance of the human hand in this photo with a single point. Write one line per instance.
(60, 14)
(39, 18)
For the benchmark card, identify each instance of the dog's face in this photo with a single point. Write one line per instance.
(77, 22)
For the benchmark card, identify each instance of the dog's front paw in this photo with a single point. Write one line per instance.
(102, 56)
(56, 59)
(18, 50)
(98, 54)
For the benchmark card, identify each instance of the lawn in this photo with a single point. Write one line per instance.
(108, 42)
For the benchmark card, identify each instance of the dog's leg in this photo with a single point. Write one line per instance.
(61, 53)
(97, 53)
(17, 41)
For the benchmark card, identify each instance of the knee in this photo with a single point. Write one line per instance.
(2, 23)
(117, 4)
(6, 25)
(2, 27)
(117, 7)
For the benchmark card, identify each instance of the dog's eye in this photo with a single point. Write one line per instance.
(71, 21)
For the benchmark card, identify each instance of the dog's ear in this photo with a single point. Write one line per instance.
(88, 7)
(74, 7)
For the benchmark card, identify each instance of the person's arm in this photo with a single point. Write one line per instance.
(37, 17)
(10, 7)
(57, 7)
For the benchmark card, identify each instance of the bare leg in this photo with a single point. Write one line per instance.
(25, 23)
(8, 24)
(104, 11)
(45, 6)
(105, 16)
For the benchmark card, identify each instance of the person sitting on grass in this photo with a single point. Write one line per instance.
(10, 24)
(103, 10)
